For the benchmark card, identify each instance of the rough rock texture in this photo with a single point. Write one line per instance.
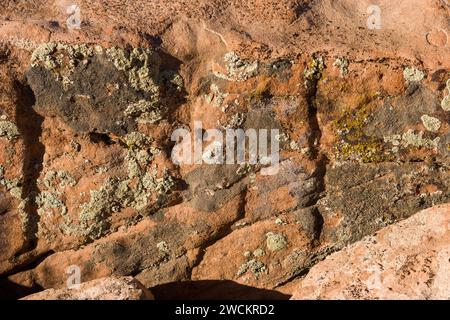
(86, 118)
(408, 260)
(112, 288)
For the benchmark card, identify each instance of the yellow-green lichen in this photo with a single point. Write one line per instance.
(61, 59)
(351, 123)
(366, 152)
(133, 191)
(313, 72)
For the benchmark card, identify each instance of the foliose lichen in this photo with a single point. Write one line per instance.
(133, 191)
(215, 96)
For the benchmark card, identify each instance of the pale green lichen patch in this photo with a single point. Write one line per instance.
(51, 201)
(61, 179)
(145, 111)
(412, 139)
(215, 96)
(133, 191)
(235, 121)
(163, 247)
(8, 130)
(9, 184)
(256, 267)
(275, 241)
(431, 123)
(172, 80)
(445, 104)
(141, 64)
(238, 69)
(412, 74)
(259, 253)
(61, 59)
(342, 64)
(14, 186)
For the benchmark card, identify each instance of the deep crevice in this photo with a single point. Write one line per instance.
(29, 124)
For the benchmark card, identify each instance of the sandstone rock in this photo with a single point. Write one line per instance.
(407, 260)
(87, 115)
(113, 288)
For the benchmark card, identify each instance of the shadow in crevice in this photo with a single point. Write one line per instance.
(30, 127)
(213, 290)
(13, 291)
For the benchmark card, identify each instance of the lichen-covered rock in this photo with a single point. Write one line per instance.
(87, 117)
(112, 288)
(98, 90)
(407, 260)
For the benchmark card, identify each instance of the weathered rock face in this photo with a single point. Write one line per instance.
(87, 116)
(408, 260)
(112, 288)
